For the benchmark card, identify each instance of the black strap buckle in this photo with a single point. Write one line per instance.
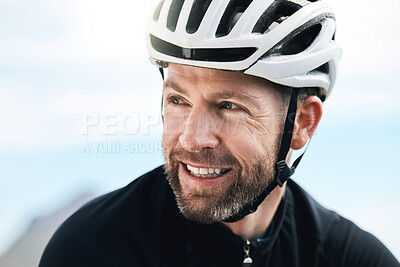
(283, 172)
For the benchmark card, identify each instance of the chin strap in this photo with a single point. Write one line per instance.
(283, 171)
(162, 97)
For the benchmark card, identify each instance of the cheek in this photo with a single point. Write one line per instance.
(260, 126)
(263, 133)
(243, 146)
(173, 123)
(251, 140)
(169, 141)
(174, 126)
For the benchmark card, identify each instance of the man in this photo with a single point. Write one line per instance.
(245, 85)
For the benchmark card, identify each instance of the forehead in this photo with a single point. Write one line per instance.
(195, 79)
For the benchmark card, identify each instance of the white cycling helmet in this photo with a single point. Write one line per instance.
(288, 42)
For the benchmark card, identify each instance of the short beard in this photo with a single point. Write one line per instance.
(210, 207)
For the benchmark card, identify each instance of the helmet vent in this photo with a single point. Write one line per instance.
(202, 54)
(157, 11)
(232, 14)
(323, 68)
(297, 41)
(301, 41)
(173, 14)
(275, 14)
(197, 13)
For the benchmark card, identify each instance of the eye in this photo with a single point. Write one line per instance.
(175, 100)
(229, 105)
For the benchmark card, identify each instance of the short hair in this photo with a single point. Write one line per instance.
(284, 93)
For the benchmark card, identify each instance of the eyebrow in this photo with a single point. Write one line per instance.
(223, 95)
(175, 87)
(230, 95)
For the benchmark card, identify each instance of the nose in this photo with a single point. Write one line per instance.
(199, 131)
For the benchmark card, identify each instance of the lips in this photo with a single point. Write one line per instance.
(206, 172)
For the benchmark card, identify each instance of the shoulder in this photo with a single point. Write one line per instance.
(109, 225)
(340, 241)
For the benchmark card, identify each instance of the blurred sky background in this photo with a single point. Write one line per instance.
(79, 111)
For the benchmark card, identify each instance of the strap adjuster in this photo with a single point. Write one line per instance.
(283, 172)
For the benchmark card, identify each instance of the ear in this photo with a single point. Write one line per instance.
(308, 116)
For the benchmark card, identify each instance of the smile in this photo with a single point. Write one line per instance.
(206, 172)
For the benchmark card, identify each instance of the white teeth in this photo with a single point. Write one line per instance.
(195, 170)
(205, 172)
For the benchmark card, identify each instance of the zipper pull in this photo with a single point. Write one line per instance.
(247, 261)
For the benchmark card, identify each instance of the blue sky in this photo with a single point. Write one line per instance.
(66, 64)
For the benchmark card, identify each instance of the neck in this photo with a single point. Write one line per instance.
(255, 225)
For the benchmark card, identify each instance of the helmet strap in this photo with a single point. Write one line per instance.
(161, 72)
(162, 97)
(283, 171)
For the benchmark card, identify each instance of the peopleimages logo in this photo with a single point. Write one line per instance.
(120, 124)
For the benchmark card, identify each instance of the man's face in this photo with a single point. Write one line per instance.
(220, 139)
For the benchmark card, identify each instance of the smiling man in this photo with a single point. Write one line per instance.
(220, 145)
(245, 86)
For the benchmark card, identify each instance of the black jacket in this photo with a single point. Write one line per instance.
(140, 225)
